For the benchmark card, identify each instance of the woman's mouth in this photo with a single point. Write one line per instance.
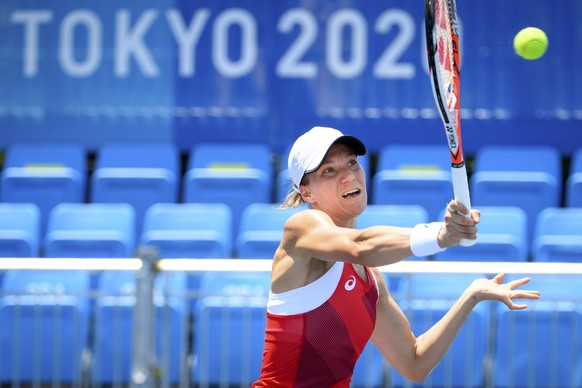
(351, 193)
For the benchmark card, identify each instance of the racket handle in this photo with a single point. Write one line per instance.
(461, 191)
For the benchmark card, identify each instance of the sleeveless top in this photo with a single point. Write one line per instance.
(316, 333)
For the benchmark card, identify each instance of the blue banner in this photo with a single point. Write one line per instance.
(261, 70)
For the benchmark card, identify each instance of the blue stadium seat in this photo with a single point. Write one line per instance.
(541, 346)
(234, 174)
(229, 329)
(189, 230)
(393, 215)
(425, 300)
(90, 230)
(502, 236)
(138, 174)
(261, 230)
(574, 181)
(44, 174)
(529, 177)
(44, 321)
(114, 313)
(19, 230)
(558, 235)
(413, 175)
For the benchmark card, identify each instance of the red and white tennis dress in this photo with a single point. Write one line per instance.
(316, 333)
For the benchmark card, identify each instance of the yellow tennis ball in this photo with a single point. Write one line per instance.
(530, 43)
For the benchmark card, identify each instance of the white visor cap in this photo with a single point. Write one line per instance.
(310, 149)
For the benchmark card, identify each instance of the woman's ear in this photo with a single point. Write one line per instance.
(306, 194)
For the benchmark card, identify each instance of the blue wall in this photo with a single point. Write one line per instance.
(262, 70)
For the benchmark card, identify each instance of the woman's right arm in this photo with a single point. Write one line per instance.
(313, 234)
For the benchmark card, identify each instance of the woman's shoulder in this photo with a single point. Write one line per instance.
(309, 216)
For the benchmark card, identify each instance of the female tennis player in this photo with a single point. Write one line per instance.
(327, 298)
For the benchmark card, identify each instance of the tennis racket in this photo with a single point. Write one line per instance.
(443, 50)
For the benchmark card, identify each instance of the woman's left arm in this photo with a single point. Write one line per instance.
(415, 357)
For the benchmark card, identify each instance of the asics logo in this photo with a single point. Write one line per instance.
(351, 283)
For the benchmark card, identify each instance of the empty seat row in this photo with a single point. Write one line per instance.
(527, 177)
(238, 174)
(194, 230)
(138, 174)
(539, 347)
(177, 230)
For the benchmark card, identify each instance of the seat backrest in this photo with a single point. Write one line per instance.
(559, 221)
(91, 217)
(414, 158)
(137, 174)
(231, 157)
(187, 216)
(44, 174)
(393, 215)
(558, 235)
(234, 174)
(502, 236)
(50, 283)
(261, 230)
(519, 159)
(48, 158)
(265, 216)
(89, 229)
(413, 175)
(189, 229)
(19, 230)
(529, 177)
(138, 155)
(45, 321)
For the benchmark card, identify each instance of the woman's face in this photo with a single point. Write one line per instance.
(338, 186)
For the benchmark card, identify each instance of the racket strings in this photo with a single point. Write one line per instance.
(445, 54)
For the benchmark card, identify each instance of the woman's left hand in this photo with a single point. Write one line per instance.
(495, 289)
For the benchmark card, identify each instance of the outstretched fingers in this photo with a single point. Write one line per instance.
(515, 293)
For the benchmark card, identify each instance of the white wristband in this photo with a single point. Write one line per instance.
(424, 239)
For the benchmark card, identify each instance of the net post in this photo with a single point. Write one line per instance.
(145, 372)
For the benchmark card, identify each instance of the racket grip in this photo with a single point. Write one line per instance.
(461, 191)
